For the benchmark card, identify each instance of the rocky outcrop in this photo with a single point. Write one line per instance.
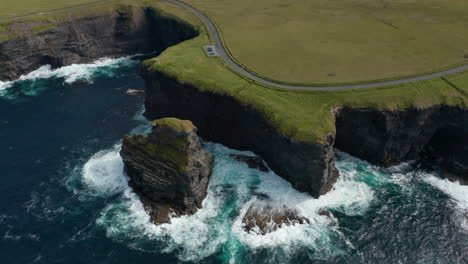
(262, 218)
(387, 138)
(168, 169)
(252, 162)
(127, 31)
(309, 167)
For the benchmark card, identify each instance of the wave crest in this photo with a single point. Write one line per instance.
(75, 72)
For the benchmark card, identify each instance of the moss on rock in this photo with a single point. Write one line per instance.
(168, 153)
(174, 123)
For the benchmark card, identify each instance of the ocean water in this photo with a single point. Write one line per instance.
(64, 197)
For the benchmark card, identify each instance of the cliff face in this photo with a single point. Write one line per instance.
(168, 169)
(381, 137)
(128, 31)
(309, 167)
(389, 137)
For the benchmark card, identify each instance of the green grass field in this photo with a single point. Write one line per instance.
(12, 8)
(341, 41)
(319, 41)
(302, 115)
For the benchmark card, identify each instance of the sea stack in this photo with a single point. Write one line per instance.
(168, 168)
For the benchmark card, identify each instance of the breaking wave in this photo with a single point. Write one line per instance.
(104, 67)
(217, 227)
(457, 192)
(102, 172)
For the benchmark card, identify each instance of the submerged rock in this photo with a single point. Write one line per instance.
(263, 218)
(252, 162)
(168, 169)
(325, 212)
(135, 92)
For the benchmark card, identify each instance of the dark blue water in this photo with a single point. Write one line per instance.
(64, 198)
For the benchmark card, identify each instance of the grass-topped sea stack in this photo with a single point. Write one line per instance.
(168, 168)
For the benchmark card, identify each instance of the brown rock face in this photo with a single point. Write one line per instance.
(263, 218)
(168, 169)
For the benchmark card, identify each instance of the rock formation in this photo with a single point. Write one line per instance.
(168, 169)
(263, 218)
(252, 162)
(381, 137)
(308, 166)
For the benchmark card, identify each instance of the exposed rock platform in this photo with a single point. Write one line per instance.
(263, 218)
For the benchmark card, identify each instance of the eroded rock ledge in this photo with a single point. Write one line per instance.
(168, 169)
(263, 218)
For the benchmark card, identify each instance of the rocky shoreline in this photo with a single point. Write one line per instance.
(308, 166)
(381, 137)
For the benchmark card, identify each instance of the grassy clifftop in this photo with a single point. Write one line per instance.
(301, 115)
(37, 24)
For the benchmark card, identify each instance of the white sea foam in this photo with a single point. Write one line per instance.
(348, 196)
(217, 227)
(457, 192)
(72, 73)
(103, 173)
(5, 85)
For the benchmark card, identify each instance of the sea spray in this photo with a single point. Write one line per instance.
(103, 172)
(217, 227)
(58, 215)
(35, 82)
(457, 192)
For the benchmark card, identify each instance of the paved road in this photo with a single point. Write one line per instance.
(215, 36)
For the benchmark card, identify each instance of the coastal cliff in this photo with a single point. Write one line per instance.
(308, 166)
(168, 169)
(381, 137)
(438, 133)
(126, 31)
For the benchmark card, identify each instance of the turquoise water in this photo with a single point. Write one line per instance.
(64, 197)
